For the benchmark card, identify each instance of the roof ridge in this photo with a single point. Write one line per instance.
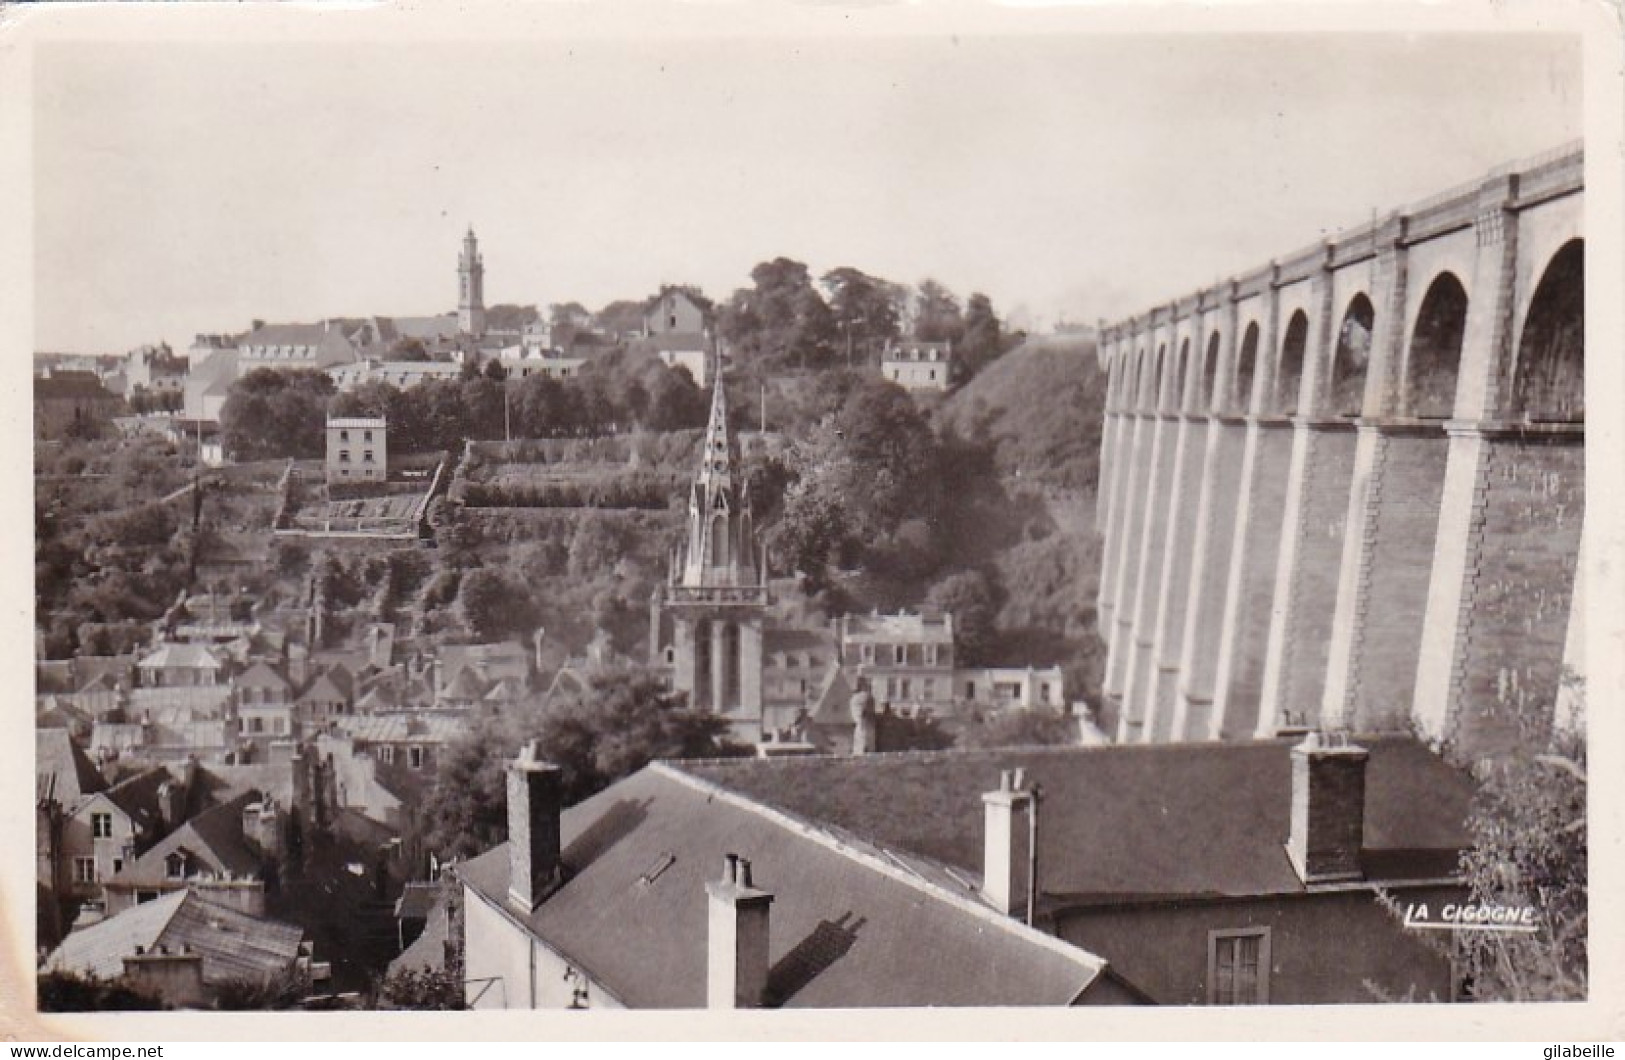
(819, 834)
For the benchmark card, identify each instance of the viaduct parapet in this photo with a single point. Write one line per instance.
(1346, 490)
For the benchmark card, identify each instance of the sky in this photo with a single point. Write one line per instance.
(192, 186)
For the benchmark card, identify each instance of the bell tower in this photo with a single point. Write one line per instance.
(716, 589)
(471, 287)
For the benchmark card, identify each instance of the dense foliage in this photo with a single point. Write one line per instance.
(619, 724)
(1529, 847)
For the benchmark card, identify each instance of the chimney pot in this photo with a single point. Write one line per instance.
(1005, 841)
(737, 944)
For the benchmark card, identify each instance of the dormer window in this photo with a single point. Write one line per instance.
(175, 865)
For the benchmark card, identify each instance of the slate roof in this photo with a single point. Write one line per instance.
(402, 728)
(137, 796)
(180, 656)
(70, 386)
(214, 839)
(285, 335)
(848, 927)
(261, 675)
(464, 685)
(62, 768)
(428, 951)
(233, 944)
(325, 689)
(1124, 823)
(89, 669)
(416, 900)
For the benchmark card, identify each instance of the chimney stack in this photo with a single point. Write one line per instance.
(533, 828)
(1006, 840)
(1328, 808)
(737, 944)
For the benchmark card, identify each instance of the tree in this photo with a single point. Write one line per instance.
(621, 317)
(1019, 728)
(782, 319)
(864, 305)
(270, 414)
(408, 349)
(982, 341)
(1529, 848)
(428, 989)
(973, 599)
(623, 721)
(492, 606)
(938, 317)
(71, 992)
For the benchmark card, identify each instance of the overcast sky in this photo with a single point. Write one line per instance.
(187, 187)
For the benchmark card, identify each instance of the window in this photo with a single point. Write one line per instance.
(1238, 967)
(344, 456)
(101, 825)
(414, 757)
(366, 457)
(344, 436)
(142, 897)
(84, 870)
(175, 865)
(1043, 691)
(868, 653)
(386, 754)
(897, 654)
(366, 436)
(118, 866)
(970, 689)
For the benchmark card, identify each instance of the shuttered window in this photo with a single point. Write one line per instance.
(1238, 967)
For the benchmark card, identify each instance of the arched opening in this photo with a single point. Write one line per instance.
(1153, 396)
(1207, 390)
(1241, 394)
(1176, 376)
(1346, 395)
(1435, 355)
(1290, 375)
(719, 541)
(1548, 382)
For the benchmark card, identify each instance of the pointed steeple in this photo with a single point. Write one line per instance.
(721, 544)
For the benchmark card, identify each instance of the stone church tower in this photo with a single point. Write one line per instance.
(471, 287)
(716, 591)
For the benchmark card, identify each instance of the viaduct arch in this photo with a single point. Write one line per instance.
(1346, 490)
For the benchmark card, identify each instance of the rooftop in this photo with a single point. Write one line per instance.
(847, 923)
(1123, 823)
(232, 944)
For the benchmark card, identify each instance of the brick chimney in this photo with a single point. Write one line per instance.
(737, 953)
(533, 828)
(1005, 842)
(1328, 808)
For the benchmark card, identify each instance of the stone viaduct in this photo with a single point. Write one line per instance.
(1346, 489)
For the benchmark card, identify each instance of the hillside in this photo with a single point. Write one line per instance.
(1042, 405)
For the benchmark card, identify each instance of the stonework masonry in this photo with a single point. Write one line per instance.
(1281, 552)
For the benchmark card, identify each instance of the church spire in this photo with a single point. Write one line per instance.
(721, 544)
